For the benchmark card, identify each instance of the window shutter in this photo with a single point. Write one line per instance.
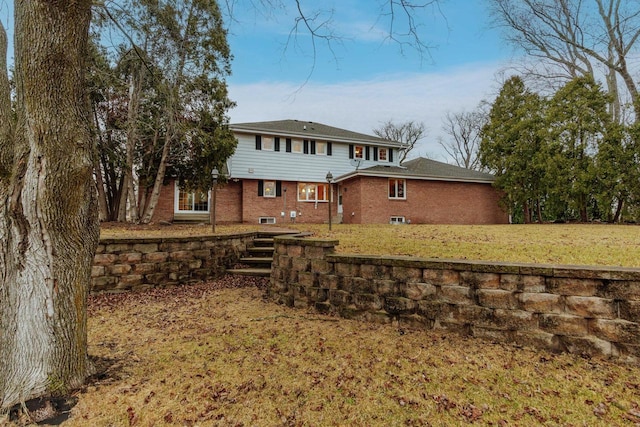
(258, 142)
(276, 143)
(313, 147)
(351, 151)
(260, 188)
(367, 153)
(278, 188)
(390, 155)
(306, 146)
(328, 148)
(375, 154)
(288, 145)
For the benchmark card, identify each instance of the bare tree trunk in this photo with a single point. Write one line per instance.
(616, 217)
(102, 196)
(157, 185)
(49, 225)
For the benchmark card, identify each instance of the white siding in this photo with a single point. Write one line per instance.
(249, 163)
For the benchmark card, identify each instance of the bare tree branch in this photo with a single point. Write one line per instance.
(408, 133)
(464, 129)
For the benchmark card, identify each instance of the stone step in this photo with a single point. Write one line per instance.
(268, 250)
(263, 262)
(260, 272)
(263, 241)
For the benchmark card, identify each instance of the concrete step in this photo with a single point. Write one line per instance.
(263, 241)
(262, 262)
(260, 272)
(266, 250)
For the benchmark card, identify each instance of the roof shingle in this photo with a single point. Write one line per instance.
(312, 129)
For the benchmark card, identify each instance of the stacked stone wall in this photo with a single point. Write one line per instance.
(581, 310)
(134, 264)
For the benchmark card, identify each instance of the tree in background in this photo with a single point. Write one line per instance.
(407, 133)
(49, 224)
(566, 39)
(169, 112)
(577, 124)
(464, 128)
(513, 149)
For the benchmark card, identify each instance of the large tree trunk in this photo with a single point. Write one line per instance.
(49, 226)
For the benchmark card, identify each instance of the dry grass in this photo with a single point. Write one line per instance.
(583, 244)
(216, 354)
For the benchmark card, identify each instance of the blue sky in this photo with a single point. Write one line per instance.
(369, 80)
(366, 80)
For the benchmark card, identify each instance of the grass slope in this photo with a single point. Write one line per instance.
(218, 354)
(582, 244)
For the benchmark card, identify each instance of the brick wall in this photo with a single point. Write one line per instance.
(581, 310)
(134, 264)
(229, 202)
(427, 202)
(254, 206)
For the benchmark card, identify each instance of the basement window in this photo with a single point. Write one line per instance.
(266, 220)
(396, 220)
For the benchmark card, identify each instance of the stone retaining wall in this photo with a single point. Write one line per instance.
(581, 310)
(133, 264)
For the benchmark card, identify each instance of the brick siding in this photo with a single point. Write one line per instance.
(366, 201)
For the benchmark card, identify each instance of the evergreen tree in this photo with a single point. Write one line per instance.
(513, 149)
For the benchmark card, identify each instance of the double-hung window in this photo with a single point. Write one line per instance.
(382, 154)
(296, 146)
(397, 189)
(321, 148)
(308, 192)
(267, 143)
(358, 152)
(269, 189)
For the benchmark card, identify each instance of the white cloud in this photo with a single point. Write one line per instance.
(362, 106)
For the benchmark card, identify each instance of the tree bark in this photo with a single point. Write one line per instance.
(49, 225)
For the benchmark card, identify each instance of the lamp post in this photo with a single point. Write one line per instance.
(214, 176)
(329, 179)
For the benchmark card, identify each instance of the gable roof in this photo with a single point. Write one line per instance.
(425, 169)
(299, 128)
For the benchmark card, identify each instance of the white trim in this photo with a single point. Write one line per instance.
(268, 137)
(405, 175)
(293, 143)
(264, 189)
(404, 189)
(316, 136)
(176, 202)
(316, 184)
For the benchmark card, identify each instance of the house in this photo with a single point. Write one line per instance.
(279, 172)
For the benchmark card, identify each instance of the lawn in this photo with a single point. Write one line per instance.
(219, 354)
(582, 244)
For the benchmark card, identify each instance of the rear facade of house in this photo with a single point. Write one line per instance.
(279, 175)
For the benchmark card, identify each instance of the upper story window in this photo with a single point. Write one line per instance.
(358, 152)
(321, 148)
(296, 146)
(397, 188)
(313, 192)
(383, 154)
(267, 143)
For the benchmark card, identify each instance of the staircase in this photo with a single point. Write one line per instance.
(259, 256)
